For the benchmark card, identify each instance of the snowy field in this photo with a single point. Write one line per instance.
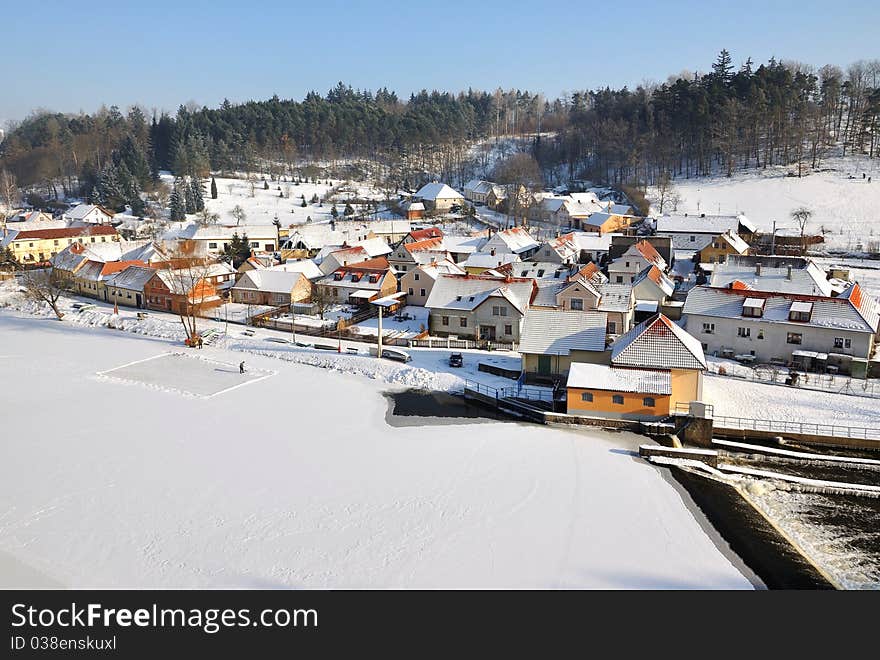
(268, 485)
(186, 373)
(265, 205)
(739, 398)
(844, 207)
(415, 323)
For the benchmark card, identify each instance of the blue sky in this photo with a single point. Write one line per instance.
(71, 56)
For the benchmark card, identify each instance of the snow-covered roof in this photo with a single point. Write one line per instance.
(615, 297)
(558, 332)
(82, 211)
(840, 312)
(441, 267)
(306, 266)
(658, 277)
(516, 240)
(273, 281)
(478, 186)
(538, 270)
(435, 191)
(658, 343)
(221, 233)
(132, 278)
(584, 375)
(592, 242)
(467, 292)
(703, 224)
(464, 244)
(487, 260)
(777, 274)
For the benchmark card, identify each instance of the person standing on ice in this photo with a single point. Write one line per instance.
(241, 367)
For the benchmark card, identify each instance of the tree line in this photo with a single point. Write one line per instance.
(694, 124)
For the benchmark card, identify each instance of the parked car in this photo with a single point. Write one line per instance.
(395, 354)
(456, 360)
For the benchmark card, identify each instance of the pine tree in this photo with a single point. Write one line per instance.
(189, 201)
(177, 203)
(213, 188)
(723, 66)
(304, 205)
(348, 209)
(197, 195)
(334, 212)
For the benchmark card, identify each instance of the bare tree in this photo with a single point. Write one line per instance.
(322, 300)
(239, 214)
(188, 278)
(206, 217)
(8, 193)
(802, 216)
(47, 285)
(666, 192)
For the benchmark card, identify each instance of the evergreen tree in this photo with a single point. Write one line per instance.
(177, 203)
(304, 205)
(197, 195)
(213, 188)
(723, 67)
(334, 212)
(189, 201)
(348, 209)
(265, 185)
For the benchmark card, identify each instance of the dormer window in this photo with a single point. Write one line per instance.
(375, 278)
(337, 276)
(800, 312)
(753, 307)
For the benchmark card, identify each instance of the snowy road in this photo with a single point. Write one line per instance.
(297, 481)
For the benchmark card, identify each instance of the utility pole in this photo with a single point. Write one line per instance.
(773, 239)
(379, 353)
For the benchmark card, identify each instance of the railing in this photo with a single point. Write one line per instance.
(513, 392)
(832, 383)
(803, 428)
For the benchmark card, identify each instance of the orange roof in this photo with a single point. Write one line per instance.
(589, 270)
(67, 232)
(739, 285)
(648, 252)
(428, 244)
(377, 263)
(115, 266)
(422, 234)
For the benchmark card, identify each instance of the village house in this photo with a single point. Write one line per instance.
(407, 255)
(28, 220)
(592, 247)
(391, 231)
(258, 262)
(653, 369)
(479, 307)
(721, 247)
(553, 339)
(92, 277)
(271, 287)
(126, 287)
(773, 273)
(812, 332)
(480, 262)
(88, 214)
(424, 234)
(616, 300)
(461, 247)
(689, 227)
(358, 283)
(305, 266)
(181, 291)
(342, 257)
(413, 210)
(562, 249)
(637, 258)
(620, 243)
(477, 191)
(516, 241)
(215, 239)
(418, 282)
(607, 223)
(438, 197)
(496, 197)
(38, 246)
(652, 284)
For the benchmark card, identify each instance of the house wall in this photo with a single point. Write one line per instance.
(774, 344)
(564, 299)
(602, 405)
(127, 297)
(626, 267)
(561, 364)
(481, 316)
(687, 386)
(647, 290)
(715, 255)
(37, 250)
(424, 282)
(612, 224)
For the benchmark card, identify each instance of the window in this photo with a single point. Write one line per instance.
(577, 304)
(255, 244)
(619, 279)
(612, 328)
(444, 320)
(422, 292)
(410, 292)
(708, 328)
(743, 332)
(794, 338)
(760, 334)
(508, 329)
(587, 396)
(693, 238)
(841, 342)
(462, 321)
(649, 402)
(617, 399)
(416, 277)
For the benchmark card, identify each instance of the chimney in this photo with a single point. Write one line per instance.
(758, 268)
(788, 272)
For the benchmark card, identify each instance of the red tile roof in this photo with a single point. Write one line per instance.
(422, 234)
(377, 263)
(426, 245)
(115, 266)
(67, 232)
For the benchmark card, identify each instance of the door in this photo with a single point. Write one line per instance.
(138, 300)
(544, 365)
(487, 332)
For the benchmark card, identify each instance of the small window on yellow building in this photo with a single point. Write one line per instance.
(617, 399)
(649, 402)
(587, 396)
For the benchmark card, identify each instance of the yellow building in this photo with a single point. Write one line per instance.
(38, 246)
(722, 247)
(654, 367)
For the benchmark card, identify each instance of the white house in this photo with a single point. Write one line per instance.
(438, 197)
(637, 258)
(91, 214)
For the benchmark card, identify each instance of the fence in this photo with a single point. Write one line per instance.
(805, 381)
(512, 392)
(446, 342)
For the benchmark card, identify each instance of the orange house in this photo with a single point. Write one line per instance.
(654, 367)
(183, 291)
